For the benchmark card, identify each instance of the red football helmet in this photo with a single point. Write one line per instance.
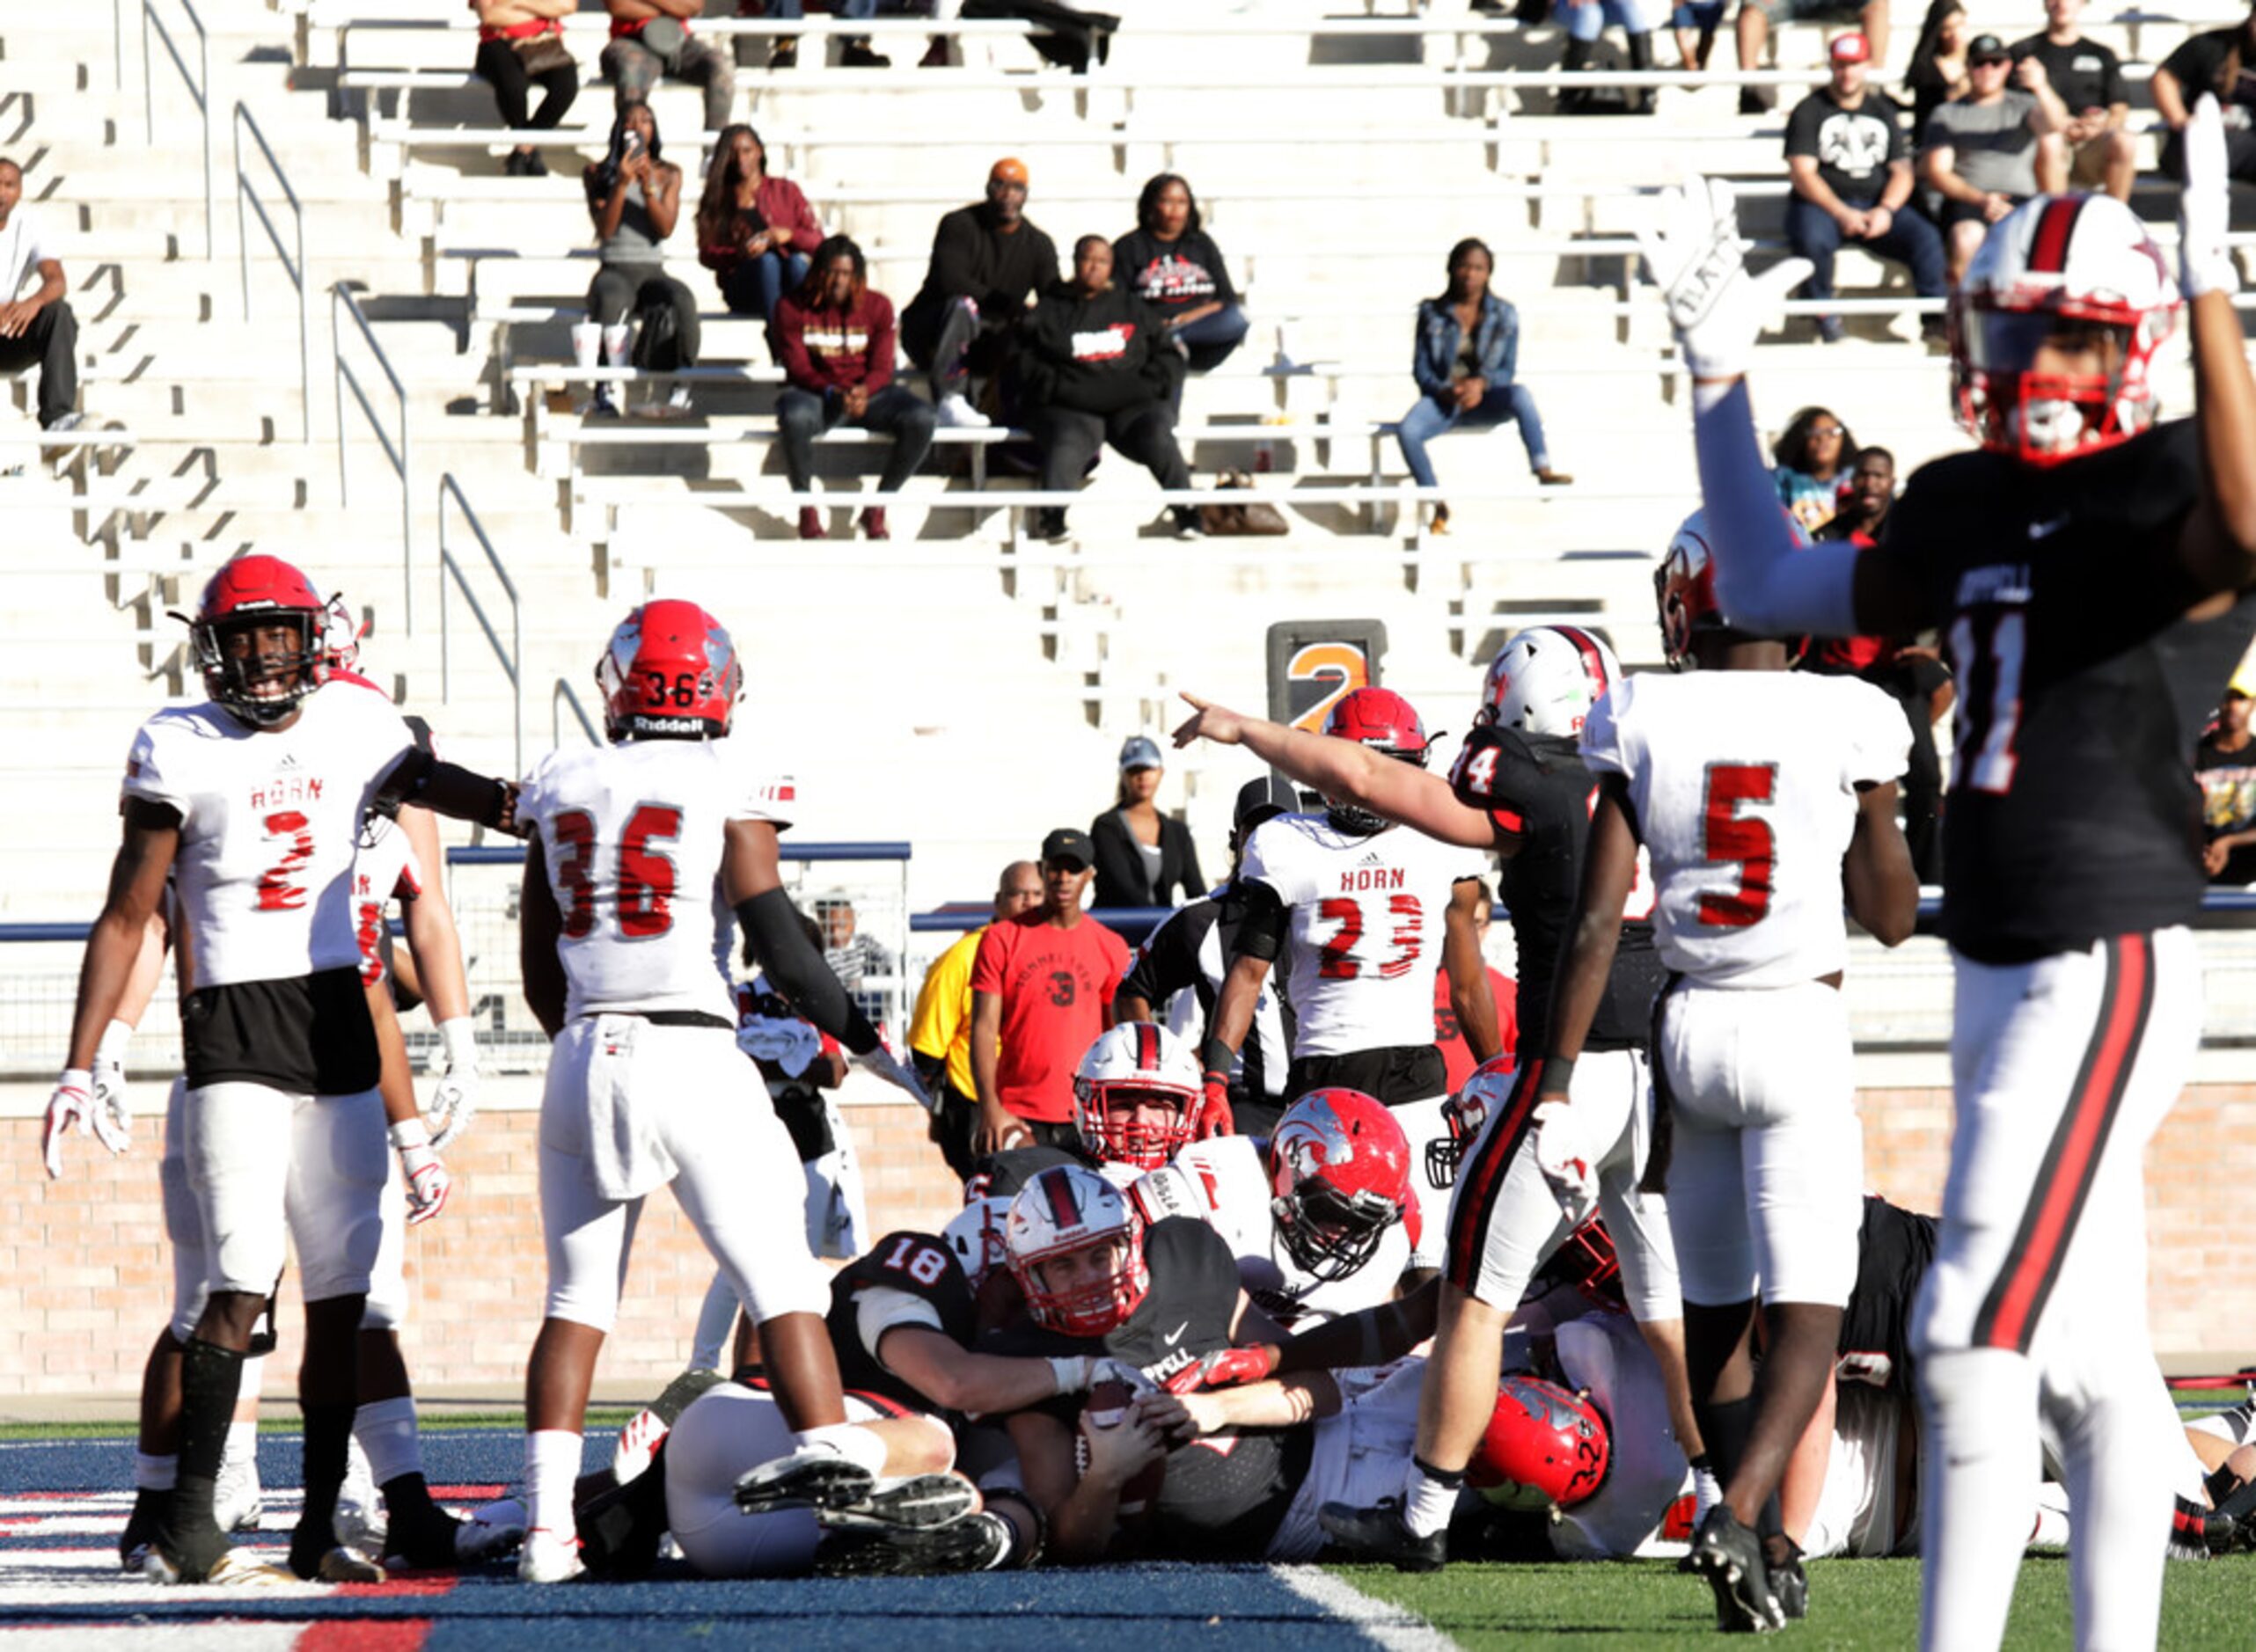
(1587, 1261)
(670, 672)
(1385, 721)
(1339, 1172)
(1133, 1072)
(2077, 273)
(1545, 1447)
(1486, 1090)
(251, 595)
(1065, 1212)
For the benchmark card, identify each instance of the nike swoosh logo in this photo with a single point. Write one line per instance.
(1177, 1336)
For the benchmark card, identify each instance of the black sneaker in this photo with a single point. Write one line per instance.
(844, 1493)
(1047, 524)
(1184, 523)
(1782, 1558)
(1382, 1534)
(536, 164)
(1729, 1557)
(1754, 100)
(856, 54)
(515, 166)
(977, 1543)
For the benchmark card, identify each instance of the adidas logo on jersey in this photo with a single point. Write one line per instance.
(1372, 858)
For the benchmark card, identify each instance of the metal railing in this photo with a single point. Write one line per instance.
(512, 658)
(562, 694)
(394, 452)
(199, 85)
(294, 267)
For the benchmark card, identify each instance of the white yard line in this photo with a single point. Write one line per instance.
(1396, 1628)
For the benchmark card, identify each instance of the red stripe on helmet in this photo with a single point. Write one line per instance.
(1057, 1187)
(1594, 658)
(1148, 1047)
(2048, 253)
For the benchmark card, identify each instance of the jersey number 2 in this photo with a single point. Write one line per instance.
(646, 876)
(1727, 835)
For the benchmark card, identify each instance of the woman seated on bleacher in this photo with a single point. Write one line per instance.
(1173, 265)
(520, 43)
(754, 232)
(635, 198)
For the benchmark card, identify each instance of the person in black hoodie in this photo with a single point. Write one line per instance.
(1169, 261)
(987, 260)
(1095, 365)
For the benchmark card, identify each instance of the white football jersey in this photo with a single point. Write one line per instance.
(632, 837)
(1606, 1353)
(270, 828)
(1224, 1182)
(1366, 928)
(1745, 788)
(387, 868)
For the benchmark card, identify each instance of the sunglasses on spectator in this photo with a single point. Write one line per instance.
(1825, 430)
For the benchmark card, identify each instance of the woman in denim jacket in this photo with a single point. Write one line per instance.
(1468, 347)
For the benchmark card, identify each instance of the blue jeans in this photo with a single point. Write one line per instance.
(1210, 338)
(790, 11)
(755, 286)
(1910, 240)
(1432, 416)
(1587, 21)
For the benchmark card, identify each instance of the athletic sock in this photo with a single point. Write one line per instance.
(385, 1430)
(242, 1452)
(850, 1440)
(1429, 1497)
(209, 1376)
(155, 1473)
(328, 1429)
(551, 1463)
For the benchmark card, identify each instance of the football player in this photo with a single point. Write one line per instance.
(1320, 1215)
(1351, 905)
(1136, 1096)
(1759, 795)
(2089, 568)
(632, 843)
(251, 803)
(1520, 787)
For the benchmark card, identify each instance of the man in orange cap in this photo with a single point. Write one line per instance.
(987, 260)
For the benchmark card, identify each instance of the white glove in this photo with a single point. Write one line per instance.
(454, 1102)
(71, 1106)
(112, 1117)
(881, 1062)
(1697, 259)
(2205, 263)
(1564, 1161)
(428, 1183)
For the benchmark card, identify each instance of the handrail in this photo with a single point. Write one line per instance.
(512, 659)
(563, 691)
(294, 269)
(199, 91)
(342, 374)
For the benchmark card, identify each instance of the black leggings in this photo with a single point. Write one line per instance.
(499, 62)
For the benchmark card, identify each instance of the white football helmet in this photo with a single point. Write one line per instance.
(1137, 1068)
(976, 1234)
(2075, 272)
(1066, 1211)
(1545, 680)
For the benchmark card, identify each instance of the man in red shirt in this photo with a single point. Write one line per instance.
(1041, 990)
(1448, 1036)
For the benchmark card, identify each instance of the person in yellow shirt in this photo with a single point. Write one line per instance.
(940, 1032)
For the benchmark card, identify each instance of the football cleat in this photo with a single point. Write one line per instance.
(638, 1441)
(1782, 1558)
(361, 1517)
(1729, 1557)
(141, 1528)
(342, 1565)
(237, 1502)
(846, 1493)
(489, 1532)
(1381, 1534)
(235, 1568)
(548, 1557)
(977, 1543)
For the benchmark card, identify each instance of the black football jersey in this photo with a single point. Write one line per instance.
(1892, 1255)
(2082, 688)
(1537, 790)
(1222, 1497)
(924, 1267)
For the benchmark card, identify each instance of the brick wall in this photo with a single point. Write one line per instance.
(84, 1281)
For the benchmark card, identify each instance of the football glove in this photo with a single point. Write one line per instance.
(1565, 1162)
(881, 1062)
(1214, 1117)
(428, 1183)
(113, 1118)
(1698, 259)
(71, 1107)
(1225, 1368)
(2205, 263)
(454, 1102)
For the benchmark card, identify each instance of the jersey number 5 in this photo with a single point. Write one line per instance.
(1727, 835)
(645, 877)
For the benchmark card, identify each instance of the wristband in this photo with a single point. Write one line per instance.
(77, 1078)
(408, 1134)
(1555, 1073)
(1070, 1371)
(1215, 1055)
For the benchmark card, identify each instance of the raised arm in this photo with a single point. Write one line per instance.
(2217, 545)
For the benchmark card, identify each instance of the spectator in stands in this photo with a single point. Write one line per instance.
(38, 326)
(1095, 367)
(1814, 456)
(635, 197)
(2226, 767)
(1584, 22)
(854, 956)
(1696, 23)
(940, 1031)
(1851, 178)
(650, 39)
(1464, 360)
(2223, 61)
(755, 233)
(1069, 37)
(2089, 77)
(520, 44)
(1449, 1035)
(834, 337)
(1993, 147)
(1937, 71)
(988, 259)
(1042, 987)
(1755, 17)
(1143, 857)
(855, 50)
(1172, 264)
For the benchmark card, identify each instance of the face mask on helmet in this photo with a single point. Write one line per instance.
(1077, 1251)
(1544, 1447)
(257, 639)
(1135, 1094)
(1339, 1178)
(1587, 1262)
(1386, 722)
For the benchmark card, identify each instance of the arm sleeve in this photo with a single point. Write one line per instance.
(1165, 964)
(1766, 584)
(772, 925)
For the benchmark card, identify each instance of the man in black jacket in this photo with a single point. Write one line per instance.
(987, 260)
(1094, 366)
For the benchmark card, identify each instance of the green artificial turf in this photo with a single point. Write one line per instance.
(1853, 1604)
